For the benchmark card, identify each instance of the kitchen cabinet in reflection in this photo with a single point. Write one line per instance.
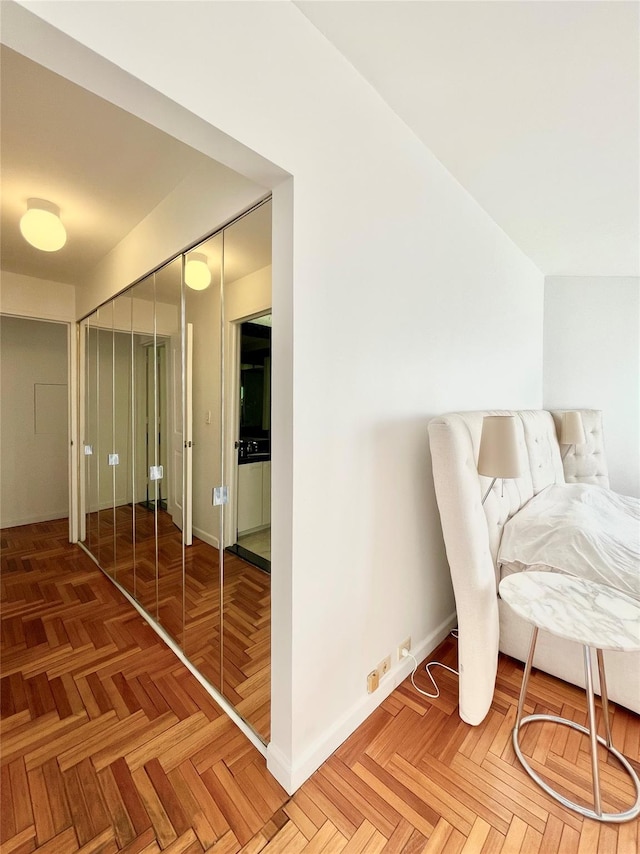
(254, 497)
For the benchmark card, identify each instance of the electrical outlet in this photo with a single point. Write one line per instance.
(384, 667)
(405, 645)
(373, 680)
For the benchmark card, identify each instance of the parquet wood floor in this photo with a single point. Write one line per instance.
(109, 744)
(244, 678)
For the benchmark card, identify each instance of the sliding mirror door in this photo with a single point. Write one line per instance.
(123, 441)
(90, 439)
(247, 451)
(177, 454)
(170, 450)
(106, 439)
(202, 453)
(144, 444)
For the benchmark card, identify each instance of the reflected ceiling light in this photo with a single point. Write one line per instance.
(197, 274)
(41, 226)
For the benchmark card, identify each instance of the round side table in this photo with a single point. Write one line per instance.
(597, 617)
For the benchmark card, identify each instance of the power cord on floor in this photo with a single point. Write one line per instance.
(427, 667)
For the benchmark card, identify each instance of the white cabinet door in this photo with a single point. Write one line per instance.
(266, 493)
(249, 496)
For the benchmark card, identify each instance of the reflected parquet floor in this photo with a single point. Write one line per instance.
(244, 678)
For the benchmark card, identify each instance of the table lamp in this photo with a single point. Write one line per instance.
(499, 455)
(571, 431)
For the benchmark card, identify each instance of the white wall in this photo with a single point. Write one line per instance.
(27, 296)
(33, 421)
(592, 360)
(405, 301)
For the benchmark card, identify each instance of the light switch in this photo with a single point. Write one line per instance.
(156, 473)
(88, 450)
(219, 495)
(114, 459)
(207, 417)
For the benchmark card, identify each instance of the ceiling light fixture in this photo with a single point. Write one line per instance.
(197, 274)
(41, 226)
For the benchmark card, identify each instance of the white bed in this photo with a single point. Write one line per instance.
(472, 535)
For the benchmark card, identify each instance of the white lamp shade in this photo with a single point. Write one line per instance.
(499, 455)
(41, 226)
(197, 274)
(572, 429)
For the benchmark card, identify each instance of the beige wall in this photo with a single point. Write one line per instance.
(33, 421)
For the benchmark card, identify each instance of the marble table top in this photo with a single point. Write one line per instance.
(583, 611)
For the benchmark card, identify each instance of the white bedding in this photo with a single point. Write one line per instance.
(580, 529)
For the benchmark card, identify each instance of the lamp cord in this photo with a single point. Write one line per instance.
(427, 668)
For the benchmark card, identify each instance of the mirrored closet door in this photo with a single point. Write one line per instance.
(168, 447)
(204, 559)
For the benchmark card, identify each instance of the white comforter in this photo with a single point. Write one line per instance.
(580, 529)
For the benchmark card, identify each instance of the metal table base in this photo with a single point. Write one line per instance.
(595, 813)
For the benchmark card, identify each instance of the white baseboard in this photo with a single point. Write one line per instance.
(206, 538)
(31, 520)
(109, 505)
(291, 777)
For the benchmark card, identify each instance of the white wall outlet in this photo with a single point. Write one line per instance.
(373, 680)
(405, 645)
(384, 667)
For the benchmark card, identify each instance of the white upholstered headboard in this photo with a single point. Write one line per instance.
(586, 463)
(472, 531)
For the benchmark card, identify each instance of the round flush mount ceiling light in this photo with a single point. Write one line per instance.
(41, 226)
(197, 274)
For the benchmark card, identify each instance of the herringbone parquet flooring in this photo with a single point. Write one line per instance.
(109, 744)
(192, 615)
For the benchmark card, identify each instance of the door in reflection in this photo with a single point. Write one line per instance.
(123, 441)
(106, 439)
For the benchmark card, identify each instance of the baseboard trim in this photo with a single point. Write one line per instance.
(206, 538)
(40, 517)
(291, 777)
(279, 767)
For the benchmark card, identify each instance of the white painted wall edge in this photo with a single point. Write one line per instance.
(291, 778)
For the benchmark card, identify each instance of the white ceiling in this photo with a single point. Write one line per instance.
(105, 168)
(532, 106)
